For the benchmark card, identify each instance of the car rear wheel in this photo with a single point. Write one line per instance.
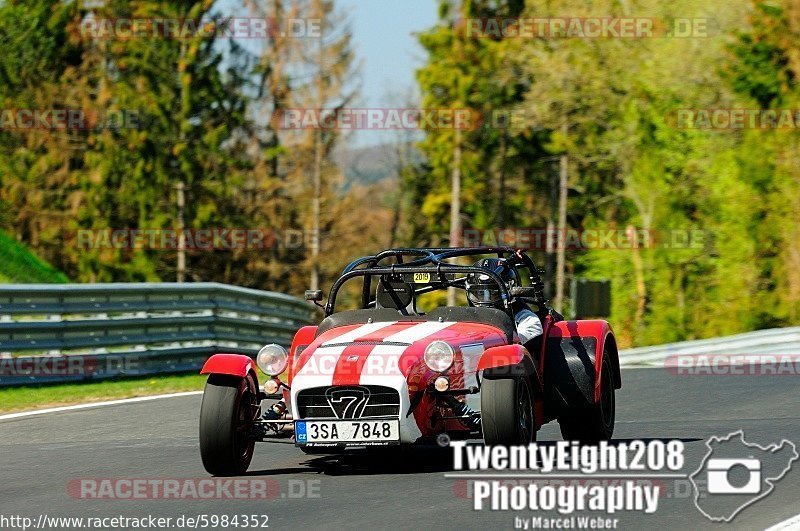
(507, 414)
(594, 423)
(230, 404)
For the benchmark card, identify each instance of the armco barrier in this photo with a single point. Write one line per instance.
(777, 341)
(66, 332)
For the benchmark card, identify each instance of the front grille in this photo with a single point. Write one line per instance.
(348, 402)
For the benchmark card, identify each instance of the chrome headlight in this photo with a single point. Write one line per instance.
(439, 356)
(272, 359)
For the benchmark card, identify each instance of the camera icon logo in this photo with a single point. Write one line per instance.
(735, 474)
(719, 476)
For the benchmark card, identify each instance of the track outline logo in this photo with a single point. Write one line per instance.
(716, 470)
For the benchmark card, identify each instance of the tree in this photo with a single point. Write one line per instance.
(322, 83)
(764, 68)
(38, 62)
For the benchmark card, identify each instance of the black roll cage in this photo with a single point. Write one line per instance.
(431, 260)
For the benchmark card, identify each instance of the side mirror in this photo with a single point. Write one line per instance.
(314, 295)
(523, 291)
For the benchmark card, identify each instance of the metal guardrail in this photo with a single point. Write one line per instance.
(776, 342)
(52, 333)
(67, 332)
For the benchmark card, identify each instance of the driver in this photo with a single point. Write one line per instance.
(484, 292)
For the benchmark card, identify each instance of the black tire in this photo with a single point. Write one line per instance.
(507, 414)
(593, 423)
(229, 404)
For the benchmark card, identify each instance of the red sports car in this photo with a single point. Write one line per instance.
(389, 373)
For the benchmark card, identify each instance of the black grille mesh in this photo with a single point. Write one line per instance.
(383, 402)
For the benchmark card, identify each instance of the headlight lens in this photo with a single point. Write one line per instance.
(439, 356)
(272, 359)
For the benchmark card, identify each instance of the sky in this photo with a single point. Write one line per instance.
(387, 51)
(384, 42)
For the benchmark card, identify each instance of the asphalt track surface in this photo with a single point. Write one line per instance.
(41, 455)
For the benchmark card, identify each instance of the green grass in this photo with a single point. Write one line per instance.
(37, 397)
(19, 265)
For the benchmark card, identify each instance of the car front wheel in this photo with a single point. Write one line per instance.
(230, 404)
(507, 414)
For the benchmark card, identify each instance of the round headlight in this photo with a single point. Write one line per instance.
(272, 359)
(439, 356)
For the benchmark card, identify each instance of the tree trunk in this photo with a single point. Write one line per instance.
(401, 162)
(316, 202)
(455, 206)
(185, 83)
(501, 199)
(641, 286)
(550, 247)
(180, 225)
(563, 191)
(315, 212)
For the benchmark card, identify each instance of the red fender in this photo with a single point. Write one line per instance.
(598, 329)
(304, 337)
(512, 356)
(230, 364)
(502, 356)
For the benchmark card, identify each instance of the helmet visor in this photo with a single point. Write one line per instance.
(483, 293)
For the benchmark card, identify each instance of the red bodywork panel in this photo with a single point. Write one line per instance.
(303, 338)
(230, 364)
(365, 359)
(598, 329)
(350, 365)
(502, 356)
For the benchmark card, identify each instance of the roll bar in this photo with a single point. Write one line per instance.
(431, 261)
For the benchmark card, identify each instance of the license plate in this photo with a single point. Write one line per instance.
(361, 432)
